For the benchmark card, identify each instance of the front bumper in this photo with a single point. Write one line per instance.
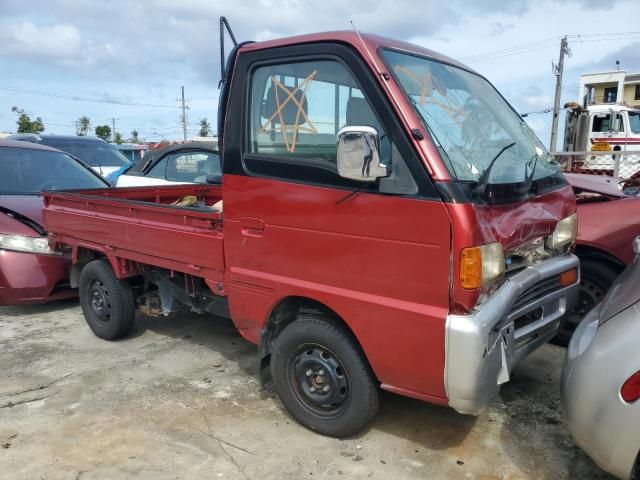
(33, 278)
(482, 348)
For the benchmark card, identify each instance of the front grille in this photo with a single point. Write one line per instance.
(537, 291)
(528, 318)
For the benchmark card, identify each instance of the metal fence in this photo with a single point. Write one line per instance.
(622, 165)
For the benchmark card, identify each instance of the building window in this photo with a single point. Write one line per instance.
(637, 93)
(610, 94)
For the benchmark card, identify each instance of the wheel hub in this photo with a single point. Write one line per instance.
(99, 301)
(319, 380)
(591, 293)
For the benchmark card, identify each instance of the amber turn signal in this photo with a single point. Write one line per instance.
(569, 277)
(471, 268)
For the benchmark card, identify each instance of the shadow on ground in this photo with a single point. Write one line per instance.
(534, 433)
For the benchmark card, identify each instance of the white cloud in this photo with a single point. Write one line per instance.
(27, 39)
(143, 51)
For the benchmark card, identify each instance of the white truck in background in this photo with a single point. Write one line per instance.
(601, 129)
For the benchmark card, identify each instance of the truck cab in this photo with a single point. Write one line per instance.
(601, 129)
(389, 222)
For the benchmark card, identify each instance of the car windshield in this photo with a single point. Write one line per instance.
(470, 123)
(92, 152)
(634, 121)
(29, 171)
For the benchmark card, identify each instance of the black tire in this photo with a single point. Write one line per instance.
(107, 303)
(316, 344)
(596, 276)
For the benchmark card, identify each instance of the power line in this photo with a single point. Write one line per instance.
(511, 49)
(76, 98)
(545, 43)
(546, 110)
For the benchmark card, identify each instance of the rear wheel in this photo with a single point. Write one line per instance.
(595, 279)
(107, 302)
(323, 378)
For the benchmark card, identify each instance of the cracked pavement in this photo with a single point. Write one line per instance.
(180, 399)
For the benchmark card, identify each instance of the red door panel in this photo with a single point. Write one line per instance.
(380, 261)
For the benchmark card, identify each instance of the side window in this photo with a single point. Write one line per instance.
(159, 169)
(605, 122)
(298, 108)
(192, 166)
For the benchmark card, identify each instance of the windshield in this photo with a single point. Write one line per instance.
(29, 171)
(91, 152)
(634, 122)
(470, 123)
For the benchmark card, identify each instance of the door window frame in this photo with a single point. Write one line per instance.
(236, 142)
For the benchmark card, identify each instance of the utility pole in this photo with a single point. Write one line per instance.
(557, 71)
(113, 132)
(183, 118)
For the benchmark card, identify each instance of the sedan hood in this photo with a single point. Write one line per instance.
(595, 183)
(624, 292)
(26, 213)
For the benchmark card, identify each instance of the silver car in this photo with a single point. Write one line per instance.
(601, 378)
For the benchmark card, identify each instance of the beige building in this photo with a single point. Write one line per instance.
(617, 88)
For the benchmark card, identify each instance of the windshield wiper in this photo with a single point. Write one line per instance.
(484, 178)
(528, 178)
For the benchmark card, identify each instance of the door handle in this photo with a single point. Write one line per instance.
(252, 227)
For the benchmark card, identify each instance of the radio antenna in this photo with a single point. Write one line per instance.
(224, 24)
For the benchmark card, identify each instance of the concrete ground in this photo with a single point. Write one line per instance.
(180, 399)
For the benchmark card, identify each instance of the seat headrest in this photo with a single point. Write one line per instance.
(359, 113)
(289, 111)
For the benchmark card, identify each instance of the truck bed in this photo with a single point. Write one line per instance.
(140, 225)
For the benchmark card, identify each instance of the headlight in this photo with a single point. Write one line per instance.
(565, 233)
(21, 243)
(481, 266)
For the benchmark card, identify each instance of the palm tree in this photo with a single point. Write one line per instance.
(83, 125)
(204, 127)
(134, 137)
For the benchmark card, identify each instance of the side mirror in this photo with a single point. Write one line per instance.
(359, 155)
(636, 245)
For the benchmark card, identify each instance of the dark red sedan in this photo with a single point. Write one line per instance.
(608, 221)
(29, 271)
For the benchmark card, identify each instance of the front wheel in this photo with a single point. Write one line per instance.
(107, 302)
(323, 378)
(595, 279)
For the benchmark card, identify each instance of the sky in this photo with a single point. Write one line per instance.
(62, 59)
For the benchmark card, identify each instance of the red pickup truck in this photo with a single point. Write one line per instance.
(389, 221)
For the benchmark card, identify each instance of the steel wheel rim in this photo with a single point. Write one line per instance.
(99, 302)
(591, 293)
(318, 380)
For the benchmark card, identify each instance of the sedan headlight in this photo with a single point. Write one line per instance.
(20, 243)
(481, 266)
(565, 233)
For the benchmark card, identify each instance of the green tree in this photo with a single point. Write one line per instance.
(117, 138)
(204, 127)
(103, 132)
(25, 124)
(134, 137)
(83, 126)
